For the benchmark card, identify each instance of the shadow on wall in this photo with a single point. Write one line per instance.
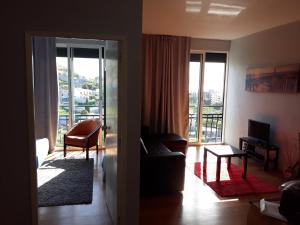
(289, 151)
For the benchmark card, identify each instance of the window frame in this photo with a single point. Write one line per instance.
(201, 95)
(83, 44)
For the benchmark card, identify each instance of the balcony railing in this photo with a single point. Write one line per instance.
(212, 128)
(64, 119)
(193, 127)
(212, 125)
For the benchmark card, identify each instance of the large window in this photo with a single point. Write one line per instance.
(63, 98)
(86, 88)
(80, 79)
(194, 101)
(206, 97)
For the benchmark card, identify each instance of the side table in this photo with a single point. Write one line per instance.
(267, 147)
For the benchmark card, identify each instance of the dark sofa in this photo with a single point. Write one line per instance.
(162, 164)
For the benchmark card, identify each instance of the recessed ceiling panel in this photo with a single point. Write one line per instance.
(217, 19)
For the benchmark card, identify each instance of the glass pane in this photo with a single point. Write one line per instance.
(86, 88)
(213, 91)
(63, 99)
(194, 78)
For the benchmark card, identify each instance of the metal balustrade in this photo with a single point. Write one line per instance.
(212, 124)
(64, 119)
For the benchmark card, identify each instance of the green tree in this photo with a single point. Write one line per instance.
(91, 84)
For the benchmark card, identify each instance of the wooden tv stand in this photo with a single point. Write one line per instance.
(248, 144)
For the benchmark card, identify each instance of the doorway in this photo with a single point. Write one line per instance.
(63, 98)
(207, 75)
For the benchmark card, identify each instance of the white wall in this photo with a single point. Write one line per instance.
(98, 17)
(277, 46)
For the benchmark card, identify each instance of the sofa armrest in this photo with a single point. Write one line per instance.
(166, 157)
(174, 142)
(162, 173)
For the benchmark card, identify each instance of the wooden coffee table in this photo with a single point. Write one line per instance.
(224, 151)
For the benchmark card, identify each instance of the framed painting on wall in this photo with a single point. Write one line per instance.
(280, 79)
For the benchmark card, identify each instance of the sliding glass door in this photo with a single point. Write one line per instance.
(213, 97)
(86, 89)
(194, 94)
(63, 97)
(80, 76)
(206, 97)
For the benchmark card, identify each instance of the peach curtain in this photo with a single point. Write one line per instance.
(166, 83)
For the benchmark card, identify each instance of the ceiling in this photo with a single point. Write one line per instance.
(216, 19)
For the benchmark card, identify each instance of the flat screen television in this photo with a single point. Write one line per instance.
(259, 130)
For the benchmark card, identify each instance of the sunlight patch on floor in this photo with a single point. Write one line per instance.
(51, 173)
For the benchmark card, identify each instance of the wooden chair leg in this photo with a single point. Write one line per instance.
(87, 153)
(65, 151)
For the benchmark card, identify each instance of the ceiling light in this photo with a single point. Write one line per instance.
(225, 10)
(193, 6)
(193, 2)
(192, 9)
(222, 12)
(227, 6)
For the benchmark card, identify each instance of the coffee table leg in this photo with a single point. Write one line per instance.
(204, 159)
(266, 164)
(228, 162)
(245, 162)
(276, 159)
(218, 169)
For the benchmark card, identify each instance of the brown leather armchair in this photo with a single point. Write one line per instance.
(84, 134)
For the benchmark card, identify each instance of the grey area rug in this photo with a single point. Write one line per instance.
(65, 182)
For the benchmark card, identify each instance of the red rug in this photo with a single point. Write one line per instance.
(231, 181)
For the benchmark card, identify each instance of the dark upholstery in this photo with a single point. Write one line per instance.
(290, 202)
(174, 142)
(162, 168)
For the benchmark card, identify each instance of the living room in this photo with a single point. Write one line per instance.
(276, 46)
(268, 47)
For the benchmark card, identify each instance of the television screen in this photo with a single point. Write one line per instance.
(258, 130)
